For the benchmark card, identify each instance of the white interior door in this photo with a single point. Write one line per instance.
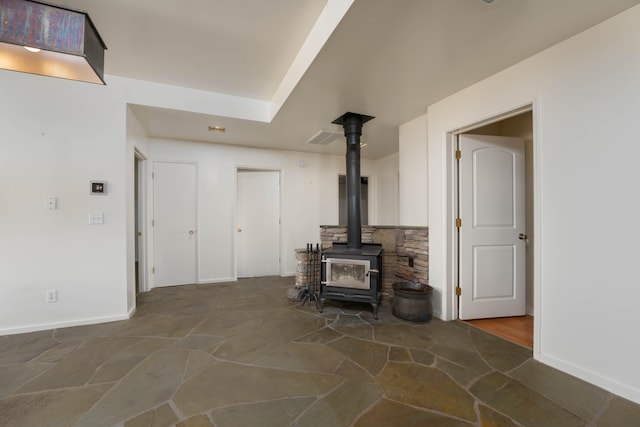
(174, 216)
(492, 209)
(258, 222)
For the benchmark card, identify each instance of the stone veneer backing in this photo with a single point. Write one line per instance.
(402, 245)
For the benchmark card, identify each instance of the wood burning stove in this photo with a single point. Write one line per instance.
(352, 275)
(352, 271)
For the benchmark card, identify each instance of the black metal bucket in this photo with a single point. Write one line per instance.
(412, 301)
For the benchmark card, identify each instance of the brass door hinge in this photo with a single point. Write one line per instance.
(153, 270)
(458, 154)
(458, 222)
(458, 291)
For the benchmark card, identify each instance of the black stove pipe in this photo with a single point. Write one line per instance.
(352, 124)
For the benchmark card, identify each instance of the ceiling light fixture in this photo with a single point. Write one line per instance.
(70, 46)
(217, 129)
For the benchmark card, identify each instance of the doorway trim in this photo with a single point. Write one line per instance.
(451, 300)
(141, 214)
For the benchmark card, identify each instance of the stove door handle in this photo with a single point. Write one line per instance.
(373, 270)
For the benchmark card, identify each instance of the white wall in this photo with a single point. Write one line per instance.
(585, 93)
(413, 173)
(57, 136)
(309, 197)
(386, 189)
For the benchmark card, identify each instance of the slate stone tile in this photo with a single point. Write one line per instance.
(529, 408)
(423, 357)
(399, 354)
(25, 347)
(79, 334)
(227, 323)
(143, 420)
(453, 334)
(58, 408)
(275, 413)
(226, 384)
(465, 358)
(498, 353)
(124, 361)
(169, 359)
(162, 416)
(486, 387)
(348, 369)
(353, 326)
(460, 374)
(303, 357)
(620, 413)
(58, 352)
(321, 336)
(427, 388)
(13, 377)
(577, 396)
(406, 335)
(204, 343)
(197, 421)
(489, 417)
(393, 414)
(159, 326)
(198, 361)
(80, 366)
(371, 356)
(151, 383)
(266, 337)
(341, 406)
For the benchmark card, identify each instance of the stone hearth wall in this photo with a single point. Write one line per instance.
(406, 250)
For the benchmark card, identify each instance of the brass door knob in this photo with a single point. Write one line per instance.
(191, 232)
(522, 236)
(239, 230)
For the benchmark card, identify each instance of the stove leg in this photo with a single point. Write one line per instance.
(375, 310)
(320, 304)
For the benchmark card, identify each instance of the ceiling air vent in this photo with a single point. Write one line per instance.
(325, 137)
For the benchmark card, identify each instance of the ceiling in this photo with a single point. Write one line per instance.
(387, 58)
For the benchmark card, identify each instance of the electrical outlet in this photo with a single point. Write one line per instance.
(96, 218)
(51, 203)
(52, 296)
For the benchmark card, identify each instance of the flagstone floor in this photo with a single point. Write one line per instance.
(241, 354)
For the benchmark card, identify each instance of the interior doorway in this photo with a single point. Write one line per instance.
(139, 191)
(257, 223)
(174, 223)
(520, 126)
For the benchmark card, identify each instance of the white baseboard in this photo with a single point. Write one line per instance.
(65, 324)
(218, 280)
(610, 385)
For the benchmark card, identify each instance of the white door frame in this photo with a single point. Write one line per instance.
(451, 299)
(280, 172)
(141, 211)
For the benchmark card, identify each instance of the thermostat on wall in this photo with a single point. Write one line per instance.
(98, 188)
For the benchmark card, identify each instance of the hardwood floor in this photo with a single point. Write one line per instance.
(515, 329)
